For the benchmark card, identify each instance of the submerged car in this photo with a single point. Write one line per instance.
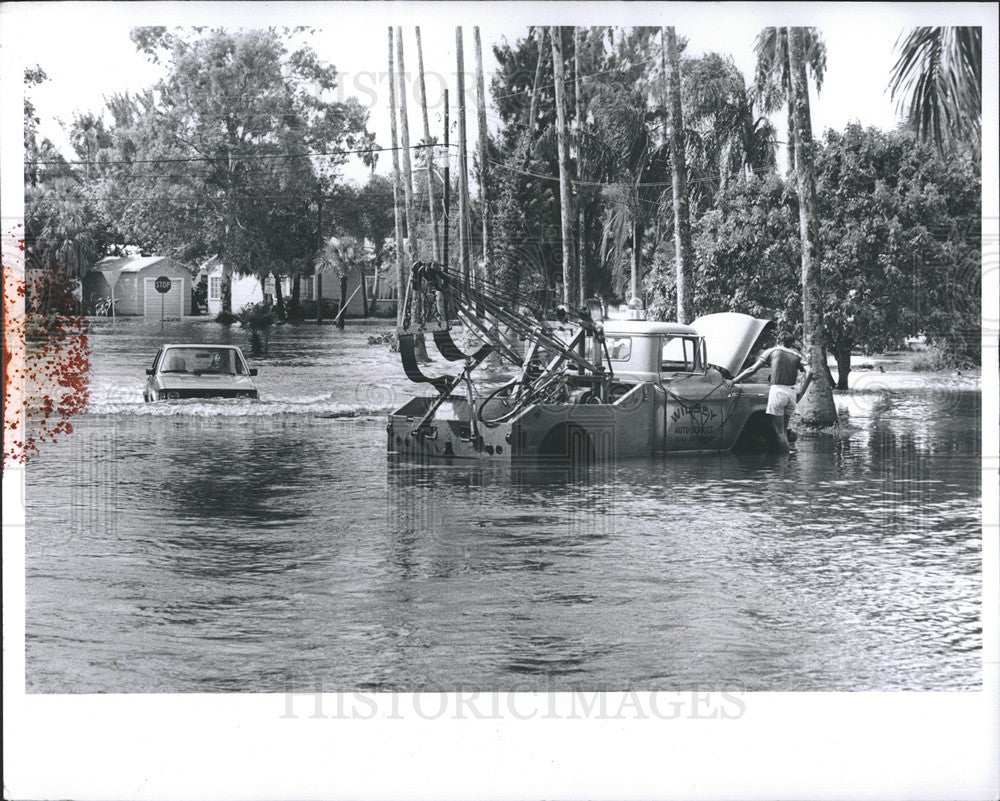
(199, 371)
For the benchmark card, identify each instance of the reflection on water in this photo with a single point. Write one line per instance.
(228, 553)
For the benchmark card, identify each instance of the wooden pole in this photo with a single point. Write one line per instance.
(396, 190)
(404, 144)
(463, 165)
(484, 165)
(319, 250)
(447, 182)
(564, 187)
(430, 148)
(410, 220)
(581, 231)
(529, 123)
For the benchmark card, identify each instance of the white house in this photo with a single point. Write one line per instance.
(247, 289)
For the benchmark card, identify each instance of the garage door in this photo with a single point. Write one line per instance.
(173, 300)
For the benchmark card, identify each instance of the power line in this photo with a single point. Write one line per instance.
(252, 157)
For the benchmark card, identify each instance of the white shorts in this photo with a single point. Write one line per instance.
(781, 400)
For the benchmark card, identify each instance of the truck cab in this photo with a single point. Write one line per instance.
(641, 351)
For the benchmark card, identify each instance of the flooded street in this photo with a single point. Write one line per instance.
(204, 546)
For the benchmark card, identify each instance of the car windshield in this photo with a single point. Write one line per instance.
(202, 361)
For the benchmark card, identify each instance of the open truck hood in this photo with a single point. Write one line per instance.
(730, 337)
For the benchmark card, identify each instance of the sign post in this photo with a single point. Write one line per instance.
(162, 285)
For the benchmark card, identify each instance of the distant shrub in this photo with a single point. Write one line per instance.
(382, 338)
(934, 358)
(257, 318)
(225, 318)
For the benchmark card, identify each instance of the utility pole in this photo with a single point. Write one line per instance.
(447, 181)
(429, 146)
(564, 188)
(678, 168)
(463, 165)
(396, 193)
(410, 217)
(319, 250)
(484, 166)
(581, 231)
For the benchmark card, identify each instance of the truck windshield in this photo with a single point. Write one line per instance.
(680, 355)
(202, 361)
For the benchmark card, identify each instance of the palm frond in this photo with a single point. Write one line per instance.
(937, 82)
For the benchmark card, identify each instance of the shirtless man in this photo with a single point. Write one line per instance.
(786, 364)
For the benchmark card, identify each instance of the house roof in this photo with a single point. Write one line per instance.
(209, 265)
(128, 264)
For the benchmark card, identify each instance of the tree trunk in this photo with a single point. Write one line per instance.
(817, 407)
(279, 298)
(227, 290)
(678, 164)
(430, 150)
(636, 259)
(364, 293)
(791, 138)
(409, 218)
(484, 165)
(842, 353)
(295, 302)
(555, 34)
(342, 311)
(396, 190)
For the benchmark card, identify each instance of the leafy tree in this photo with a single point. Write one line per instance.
(899, 233)
(748, 249)
(63, 235)
(221, 161)
(901, 243)
(938, 79)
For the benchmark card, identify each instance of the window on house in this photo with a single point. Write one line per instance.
(215, 287)
(306, 288)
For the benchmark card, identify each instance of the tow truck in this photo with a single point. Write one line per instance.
(583, 388)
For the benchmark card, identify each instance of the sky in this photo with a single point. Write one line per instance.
(86, 51)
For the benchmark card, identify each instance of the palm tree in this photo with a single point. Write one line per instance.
(678, 171)
(817, 407)
(342, 255)
(772, 81)
(638, 169)
(938, 79)
(726, 137)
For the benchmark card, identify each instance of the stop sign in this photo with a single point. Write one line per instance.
(162, 284)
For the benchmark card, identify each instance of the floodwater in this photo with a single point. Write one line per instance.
(238, 546)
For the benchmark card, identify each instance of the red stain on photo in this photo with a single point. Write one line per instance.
(46, 355)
